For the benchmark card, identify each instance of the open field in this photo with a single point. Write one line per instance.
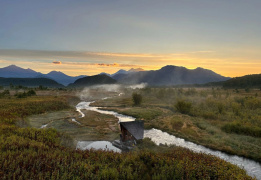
(33, 153)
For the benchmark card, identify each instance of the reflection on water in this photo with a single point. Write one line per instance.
(103, 145)
(253, 168)
(86, 105)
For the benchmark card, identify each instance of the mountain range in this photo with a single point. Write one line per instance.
(166, 76)
(122, 71)
(17, 72)
(248, 81)
(170, 75)
(14, 71)
(61, 77)
(93, 80)
(30, 82)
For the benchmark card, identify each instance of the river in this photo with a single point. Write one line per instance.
(159, 137)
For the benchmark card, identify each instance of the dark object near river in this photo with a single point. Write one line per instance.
(131, 132)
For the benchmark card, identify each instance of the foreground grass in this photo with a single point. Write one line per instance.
(29, 153)
(35, 159)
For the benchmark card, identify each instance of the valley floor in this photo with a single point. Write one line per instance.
(44, 153)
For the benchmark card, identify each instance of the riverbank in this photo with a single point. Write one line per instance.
(157, 136)
(202, 125)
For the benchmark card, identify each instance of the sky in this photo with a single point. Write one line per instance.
(86, 37)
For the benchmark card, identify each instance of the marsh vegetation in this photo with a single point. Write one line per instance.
(226, 120)
(47, 153)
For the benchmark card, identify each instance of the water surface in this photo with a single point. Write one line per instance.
(159, 137)
(98, 145)
(86, 106)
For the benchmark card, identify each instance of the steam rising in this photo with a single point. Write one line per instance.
(108, 87)
(84, 93)
(97, 92)
(138, 86)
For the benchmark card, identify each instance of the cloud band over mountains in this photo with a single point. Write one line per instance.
(57, 62)
(89, 63)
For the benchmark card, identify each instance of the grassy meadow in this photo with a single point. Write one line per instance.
(28, 152)
(226, 120)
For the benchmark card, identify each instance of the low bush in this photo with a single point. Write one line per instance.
(176, 124)
(137, 98)
(252, 103)
(220, 107)
(209, 115)
(31, 93)
(25, 94)
(236, 108)
(183, 106)
(5, 93)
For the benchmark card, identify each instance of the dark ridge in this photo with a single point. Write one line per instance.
(30, 82)
(14, 71)
(61, 77)
(171, 76)
(17, 72)
(248, 81)
(93, 80)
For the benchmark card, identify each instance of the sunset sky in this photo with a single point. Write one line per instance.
(86, 37)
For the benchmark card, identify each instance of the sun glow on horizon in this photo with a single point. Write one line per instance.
(76, 63)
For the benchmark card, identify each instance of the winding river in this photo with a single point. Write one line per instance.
(159, 137)
(86, 106)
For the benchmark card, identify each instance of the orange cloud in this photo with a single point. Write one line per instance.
(57, 62)
(109, 65)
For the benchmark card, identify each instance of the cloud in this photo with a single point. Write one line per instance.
(203, 52)
(109, 65)
(57, 62)
(104, 65)
(100, 58)
(140, 55)
(69, 54)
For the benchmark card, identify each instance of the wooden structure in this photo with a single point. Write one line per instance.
(132, 130)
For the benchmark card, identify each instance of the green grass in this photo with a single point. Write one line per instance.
(30, 153)
(142, 113)
(242, 129)
(208, 121)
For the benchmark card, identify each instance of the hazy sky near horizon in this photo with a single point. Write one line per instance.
(93, 36)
